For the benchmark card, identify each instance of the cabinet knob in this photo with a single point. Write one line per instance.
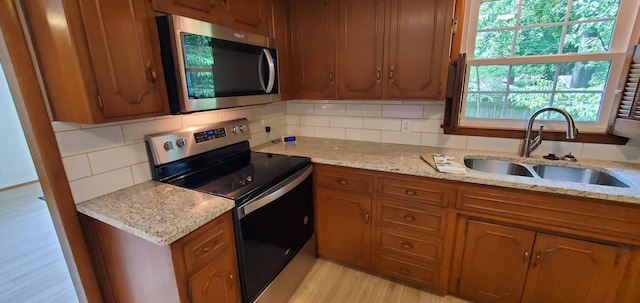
(406, 245)
(153, 76)
(405, 271)
(343, 182)
(366, 217)
(537, 260)
(525, 258)
(391, 70)
(331, 76)
(409, 218)
(378, 74)
(231, 281)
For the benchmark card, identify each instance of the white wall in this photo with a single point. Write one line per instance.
(16, 164)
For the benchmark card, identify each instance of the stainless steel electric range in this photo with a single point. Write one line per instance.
(273, 216)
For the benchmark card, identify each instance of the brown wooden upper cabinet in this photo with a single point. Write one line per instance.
(280, 31)
(246, 15)
(314, 49)
(386, 49)
(100, 60)
(506, 264)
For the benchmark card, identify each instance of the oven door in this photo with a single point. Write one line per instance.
(271, 229)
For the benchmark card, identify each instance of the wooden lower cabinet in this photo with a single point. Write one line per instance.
(199, 267)
(344, 226)
(507, 264)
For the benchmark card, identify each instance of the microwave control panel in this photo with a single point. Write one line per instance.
(210, 135)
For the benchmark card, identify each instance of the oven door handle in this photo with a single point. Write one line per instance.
(274, 193)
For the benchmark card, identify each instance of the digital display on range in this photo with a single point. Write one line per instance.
(210, 135)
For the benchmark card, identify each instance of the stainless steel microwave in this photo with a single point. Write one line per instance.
(208, 66)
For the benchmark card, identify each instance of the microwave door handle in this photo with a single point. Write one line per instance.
(272, 70)
(264, 88)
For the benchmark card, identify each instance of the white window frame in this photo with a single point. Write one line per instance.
(626, 33)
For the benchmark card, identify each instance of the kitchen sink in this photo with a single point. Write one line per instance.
(579, 175)
(541, 171)
(497, 167)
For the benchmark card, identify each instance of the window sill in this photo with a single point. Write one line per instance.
(552, 136)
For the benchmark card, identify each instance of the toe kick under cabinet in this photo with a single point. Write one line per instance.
(483, 243)
(200, 267)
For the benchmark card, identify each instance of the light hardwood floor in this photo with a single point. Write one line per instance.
(330, 282)
(32, 268)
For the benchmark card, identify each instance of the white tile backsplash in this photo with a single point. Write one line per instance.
(330, 132)
(402, 111)
(329, 109)
(364, 110)
(560, 148)
(346, 122)
(134, 132)
(77, 166)
(102, 184)
(64, 126)
(300, 108)
(493, 144)
(363, 135)
(233, 114)
(203, 118)
(141, 172)
(382, 123)
(310, 120)
(622, 153)
(82, 141)
(426, 126)
(399, 138)
(442, 140)
(119, 157)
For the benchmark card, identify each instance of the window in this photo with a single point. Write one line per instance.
(524, 55)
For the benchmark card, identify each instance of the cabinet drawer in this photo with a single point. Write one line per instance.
(410, 272)
(414, 189)
(343, 178)
(401, 214)
(207, 246)
(412, 245)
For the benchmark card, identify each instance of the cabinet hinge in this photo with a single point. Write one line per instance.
(454, 25)
(100, 104)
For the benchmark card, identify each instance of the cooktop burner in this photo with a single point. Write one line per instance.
(243, 176)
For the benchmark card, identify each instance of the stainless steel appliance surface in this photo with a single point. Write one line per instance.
(273, 217)
(208, 66)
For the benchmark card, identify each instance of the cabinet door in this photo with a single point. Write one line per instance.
(344, 226)
(567, 270)
(128, 69)
(205, 10)
(313, 28)
(418, 44)
(246, 15)
(217, 281)
(360, 44)
(495, 262)
(280, 32)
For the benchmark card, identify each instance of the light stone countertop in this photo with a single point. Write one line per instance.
(405, 159)
(158, 212)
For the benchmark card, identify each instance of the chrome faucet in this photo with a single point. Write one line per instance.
(528, 145)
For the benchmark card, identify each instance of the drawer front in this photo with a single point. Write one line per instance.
(207, 246)
(409, 272)
(343, 178)
(414, 189)
(401, 214)
(411, 245)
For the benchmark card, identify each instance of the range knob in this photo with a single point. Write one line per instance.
(182, 142)
(244, 128)
(236, 129)
(168, 145)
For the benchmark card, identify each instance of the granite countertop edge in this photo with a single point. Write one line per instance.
(405, 159)
(157, 212)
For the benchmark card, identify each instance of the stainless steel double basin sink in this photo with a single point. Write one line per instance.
(544, 171)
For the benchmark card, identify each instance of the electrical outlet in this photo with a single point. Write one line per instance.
(406, 126)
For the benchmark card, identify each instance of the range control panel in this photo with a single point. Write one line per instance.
(171, 146)
(210, 134)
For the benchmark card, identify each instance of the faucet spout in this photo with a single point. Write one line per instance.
(531, 144)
